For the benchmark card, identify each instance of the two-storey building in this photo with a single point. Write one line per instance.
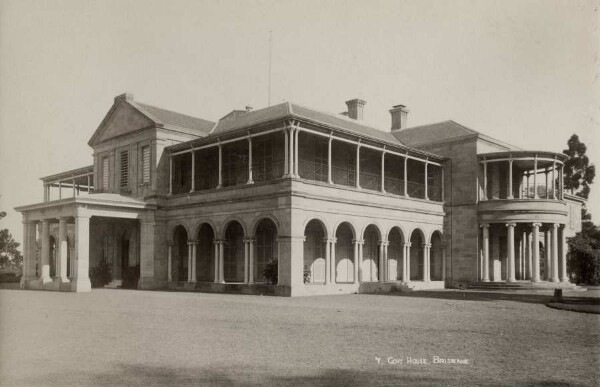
(185, 203)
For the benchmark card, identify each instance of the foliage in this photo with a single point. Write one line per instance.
(131, 276)
(584, 255)
(7, 278)
(270, 273)
(579, 173)
(307, 274)
(101, 274)
(10, 256)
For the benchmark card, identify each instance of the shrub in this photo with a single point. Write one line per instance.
(101, 274)
(307, 274)
(131, 276)
(8, 278)
(270, 273)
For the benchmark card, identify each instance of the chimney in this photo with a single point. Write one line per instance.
(355, 108)
(399, 117)
(124, 97)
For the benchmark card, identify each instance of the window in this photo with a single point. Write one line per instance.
(146, 164)
(105, 173)
(124, 169)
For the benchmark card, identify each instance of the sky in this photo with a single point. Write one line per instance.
(525, 72)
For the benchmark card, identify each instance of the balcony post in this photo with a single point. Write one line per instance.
(561, 187)
(358, 164)
(59, 190)
(485, 180)
(296, 155)
(443, 183)
(426, 195)
(510, 250)
(286, 167)
(554, 277)
(535, 171)
(510, 179)
(383, 171)
(193, 185)
(527, 182)
(329, 179)
(554, 179)
(547, 174)
(170, 175)
(406, 175)
(250, 180)
(486, 252)
(220, 166)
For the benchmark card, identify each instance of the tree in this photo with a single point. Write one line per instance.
(579, 173)
(10, 256)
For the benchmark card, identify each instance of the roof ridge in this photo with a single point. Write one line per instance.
(337, 115)
(170, 111)
(140, 108)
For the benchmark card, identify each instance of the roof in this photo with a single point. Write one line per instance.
(174, 119)
(440, 132)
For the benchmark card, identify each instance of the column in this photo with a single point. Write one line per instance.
(426, 196)
(216, 243)
(246, 259)
(221, 262)
(486, 252)
(510, 250)
(26, 253)
(535, 171)
(380, 269)
(250, 179)
(554, 277)
(189, 260)
(553, 179)
(536, 253)
(170, 175)
(485, 180)
(291, 151)
(81, 280)
(329, 178)
(194, 251)
(563, 254)
(358, 165)
(386, 276)
(546, 173)
(510, 179)
(528, 267)
(327, 241)
(355, 243)
(548, 255)
(444, 261)
(169, 261)
(147, 238)
(406, 177)
(286, 165)
(296, 154)
(251, 262)
(45, 254)
(443, 184)
(383, 171)
(406, 263)
(193, 185)
(61, 262)
(427, 254)
(361, 244)
(561, 187)
(220, 185)
(333, 270)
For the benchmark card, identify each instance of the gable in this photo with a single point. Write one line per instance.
(121, 119)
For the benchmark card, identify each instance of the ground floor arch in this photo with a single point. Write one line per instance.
(314, 252)
(417, 255)
(436, 258)
(205, 262)
(179, 269)
(234, 254)
(344, 254)
(370, 262)
(395, 255)
(265, 248)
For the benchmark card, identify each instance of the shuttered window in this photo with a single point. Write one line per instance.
(146, 164)
(105, 173)
(124, 169)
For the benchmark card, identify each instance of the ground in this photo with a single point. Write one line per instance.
(142, 338)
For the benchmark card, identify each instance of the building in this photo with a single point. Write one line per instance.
(185, 203)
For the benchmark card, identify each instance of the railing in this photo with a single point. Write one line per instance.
(312, 170)
(416, 190)
(235, 175)
(267, 170)
(370, 181)
(394, 186)
(343, 176)
(434, 193)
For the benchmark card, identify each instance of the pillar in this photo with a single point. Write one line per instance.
(563, 254)
(358, 165)
(296, 132)
(220, 184)
(535, 171)
(548, 255)
(221, 262)
(246, 260)
(444, 261)
(286, 150)
(251, 261)
(553, 179)
(26, 254)
(486, 252)
(333, 270)
(546, 173)
(535, 277)
(427, 265)
(361, 244)
(485, 180)
(250, 179)
(169, 260)
(426, 196)
(329, 147)
(406, 176)
(81, 280)
(355, 243)
(383, 171)
(193, 185)
(528, 264)
(216, 243)
(170, 175)
(291, 151)
(554, 277)
(406, 263)
(147, 237)
(561, 186)
(327, 241)
(510, 179)
(61, 262)
(45, 254)
(381, 266)
(510, 250)
(193, 260)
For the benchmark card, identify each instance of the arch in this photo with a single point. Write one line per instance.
(205, 261)
(265, 247)
(52, 251)
(204, 222)
(179, 266)
(321, 222)
(344, 253)
(417, 254)
(315, 234)
(234, 253)
(174, 229)
(260, 218)
(229, 221)
(395, 254)
(370, 262)
(436, 256)
(346, 224)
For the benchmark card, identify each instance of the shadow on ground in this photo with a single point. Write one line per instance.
(475, 296)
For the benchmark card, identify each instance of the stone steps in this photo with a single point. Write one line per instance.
(114, 284)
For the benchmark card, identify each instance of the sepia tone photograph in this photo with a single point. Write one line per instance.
(299, 193)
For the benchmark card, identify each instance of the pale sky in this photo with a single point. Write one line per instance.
(525, 72)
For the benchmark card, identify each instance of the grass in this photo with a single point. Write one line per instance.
(126, 337)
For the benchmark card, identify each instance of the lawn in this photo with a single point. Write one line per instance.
(127, 337)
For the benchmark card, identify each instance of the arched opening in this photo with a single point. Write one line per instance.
(543, 265)
(314, 252)
(234, 253)
(344, 254)
(69, 263)
(417, 255)
(129, 270)
(205, 259)
(436, 257)
(179, 269)
(395, 254)
(266, 247)
(52, 256)
(370, 263)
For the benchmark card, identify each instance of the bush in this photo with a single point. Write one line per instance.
(131, 276)
(307, 274)
(9, 278)
(270, 273)
(101, 274)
